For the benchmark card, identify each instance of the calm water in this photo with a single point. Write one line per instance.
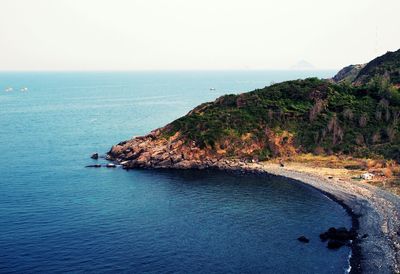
(57, 216)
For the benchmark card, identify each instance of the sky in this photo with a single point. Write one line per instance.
(112, 35)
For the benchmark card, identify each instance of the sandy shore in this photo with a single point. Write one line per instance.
(375, 212)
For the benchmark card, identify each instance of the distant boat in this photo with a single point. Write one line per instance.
(24, 89)
(8, 89)
(212, 88)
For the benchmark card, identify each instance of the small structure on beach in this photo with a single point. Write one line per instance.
(367, 176)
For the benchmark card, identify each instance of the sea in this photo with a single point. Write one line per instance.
(57, 216)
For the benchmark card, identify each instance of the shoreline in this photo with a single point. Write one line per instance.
(373, 211)
(355, 255)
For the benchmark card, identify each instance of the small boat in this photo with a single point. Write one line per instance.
(24, 89)
(212, 89)
(8, 89)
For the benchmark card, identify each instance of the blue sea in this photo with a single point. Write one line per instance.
(58, 216)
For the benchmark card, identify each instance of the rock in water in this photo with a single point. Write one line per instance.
(338, 237)
(95, 156)
(303, 239)
(335, 244)
(324, 236)
(341, 234)
(97, 165)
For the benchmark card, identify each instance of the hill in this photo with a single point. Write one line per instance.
(386, 66)
(294, 117)
(348, 74)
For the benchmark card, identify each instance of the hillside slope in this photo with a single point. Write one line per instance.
(348, 74)
(386, 66)
(281, 120)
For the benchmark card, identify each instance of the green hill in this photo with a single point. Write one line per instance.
(348, 74)
(359, 115)
(386, 66)
(309, 115)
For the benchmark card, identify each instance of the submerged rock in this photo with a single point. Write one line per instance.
(97, 165)
(303, 239)
(323, 236)
(335, 244)
(338, 237)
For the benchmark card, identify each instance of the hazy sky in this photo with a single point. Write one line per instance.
(194, 34)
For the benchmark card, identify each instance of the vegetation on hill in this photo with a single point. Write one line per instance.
(348, 74)
(386, 66)
(309, 115)
(302, 119)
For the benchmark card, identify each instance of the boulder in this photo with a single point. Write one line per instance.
(134, 155)
(175, 158)
(160, 156)
(303, 239)
(185, 164)
(324, 236)
(144, 158)
(122, 143)
(109, 157)
(335, 244)
(343, 234)
(165, 163)
(335, 235)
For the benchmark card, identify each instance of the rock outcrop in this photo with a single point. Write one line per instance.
(348, 74)
(156, 151)
(385, 66)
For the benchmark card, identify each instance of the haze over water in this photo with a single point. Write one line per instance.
(56, 215)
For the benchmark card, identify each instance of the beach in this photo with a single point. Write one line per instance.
(375, 212)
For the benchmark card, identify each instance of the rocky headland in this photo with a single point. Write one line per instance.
(237, 133)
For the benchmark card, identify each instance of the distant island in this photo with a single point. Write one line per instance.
(303, 65)
(328, 133)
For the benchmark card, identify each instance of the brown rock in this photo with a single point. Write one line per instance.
(165, 163)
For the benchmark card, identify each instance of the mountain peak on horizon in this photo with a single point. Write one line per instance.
(302, 65)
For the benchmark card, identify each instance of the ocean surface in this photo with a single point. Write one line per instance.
(58, 216)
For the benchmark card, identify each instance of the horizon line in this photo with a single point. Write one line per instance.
(167, 70)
